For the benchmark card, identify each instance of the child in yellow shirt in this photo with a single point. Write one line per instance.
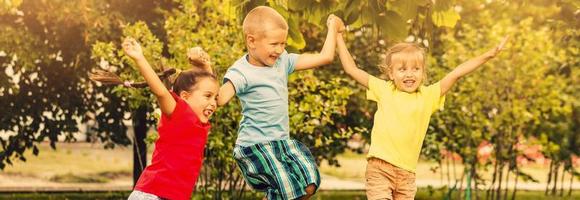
(404, 109)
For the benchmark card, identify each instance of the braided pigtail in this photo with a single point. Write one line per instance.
(110, 78)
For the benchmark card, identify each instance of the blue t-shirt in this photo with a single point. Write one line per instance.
(263, 92)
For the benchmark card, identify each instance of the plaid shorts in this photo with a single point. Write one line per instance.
(282, 168)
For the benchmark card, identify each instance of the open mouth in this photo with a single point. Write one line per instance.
(409, 83)
(207, 112)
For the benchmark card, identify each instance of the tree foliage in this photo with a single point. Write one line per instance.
(527, 96)
(522, 98)
(45, 51)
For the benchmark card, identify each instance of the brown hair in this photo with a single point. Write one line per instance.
(186, 80)
(197, 57)
(200, 68)
(110, 78)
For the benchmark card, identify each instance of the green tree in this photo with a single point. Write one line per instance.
(524, 94)
(217, 31)
(45, 50)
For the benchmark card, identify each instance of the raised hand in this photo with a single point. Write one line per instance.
(467, 67)
(493, 52)
(199, 58)
(132, 48)
(339, 25)
(335, 23)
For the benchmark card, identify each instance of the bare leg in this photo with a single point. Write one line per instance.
(310, 189)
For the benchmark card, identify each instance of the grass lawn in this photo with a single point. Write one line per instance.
(80, 163)
(422, 194)
(82, 160)
(353, 168)
(70, 163)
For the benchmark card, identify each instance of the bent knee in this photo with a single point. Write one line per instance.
(310, 189)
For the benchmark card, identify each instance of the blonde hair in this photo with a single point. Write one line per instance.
(405, 53)
(261, 18)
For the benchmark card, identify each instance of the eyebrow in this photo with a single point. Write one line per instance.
(209, 91)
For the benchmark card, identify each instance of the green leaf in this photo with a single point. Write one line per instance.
(446, 18)
(312, 16)
(408, 8)
(351, 18)
(351, 11)
(295, 38)
(298, 4)
(282, 10)
(9, 6)
(392, 25)
(441, 5)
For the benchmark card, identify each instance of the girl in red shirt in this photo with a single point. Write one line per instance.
(183, 128)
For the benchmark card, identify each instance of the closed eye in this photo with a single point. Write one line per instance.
(208, 94)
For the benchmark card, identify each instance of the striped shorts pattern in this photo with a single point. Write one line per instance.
(282, 168)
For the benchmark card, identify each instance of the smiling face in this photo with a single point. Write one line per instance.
(202, 98)
(407, 77)
(265, 48)
(265, 32)
(406, 67)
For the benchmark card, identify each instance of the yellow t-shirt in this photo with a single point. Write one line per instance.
(401, 121)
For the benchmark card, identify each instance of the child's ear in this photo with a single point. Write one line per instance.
(184, 94)
(251, 40)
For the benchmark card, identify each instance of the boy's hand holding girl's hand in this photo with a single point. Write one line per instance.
(335, 23)
(133, 49)
(493, 52)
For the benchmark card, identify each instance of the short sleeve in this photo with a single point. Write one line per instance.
(235, 76)
(376, 87)
(433, 96)
(180, 107)
(292, 58)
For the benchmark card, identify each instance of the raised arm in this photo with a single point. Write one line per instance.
(349, 65)
(326, 55)
(135, 52)
(467, 67)
(227, 91)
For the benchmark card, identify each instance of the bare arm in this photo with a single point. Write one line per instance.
(227, 91)
(134, 51)
(349, 65)
(467, 67)
(326, 55)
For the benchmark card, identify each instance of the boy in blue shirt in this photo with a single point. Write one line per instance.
(269, 160)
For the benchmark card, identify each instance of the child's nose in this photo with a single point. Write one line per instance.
(279, 49)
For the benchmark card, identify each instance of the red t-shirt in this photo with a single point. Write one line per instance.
(178, 154)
